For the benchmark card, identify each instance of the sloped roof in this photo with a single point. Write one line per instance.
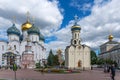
(110, 42)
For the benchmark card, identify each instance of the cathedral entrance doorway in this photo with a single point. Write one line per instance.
(25, 66)
(79, 63)
(9, 57)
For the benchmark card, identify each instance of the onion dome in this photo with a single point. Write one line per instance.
(41, 37)
(76, 26)
(27, 25)
(110, 37)
(13, 30)
(33, 30)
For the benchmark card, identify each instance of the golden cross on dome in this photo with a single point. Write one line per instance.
(28, 15)
(13, 19)
(33, 19)
(110, 31)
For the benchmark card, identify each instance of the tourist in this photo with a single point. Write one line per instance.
(112, 72)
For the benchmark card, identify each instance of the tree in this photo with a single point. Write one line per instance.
(38, 65)
(60, 57)
(100, 61)
(56, 60)
(109, 61)
(50, 59)
(93, 57)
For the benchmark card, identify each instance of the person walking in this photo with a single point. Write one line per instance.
(112, 72)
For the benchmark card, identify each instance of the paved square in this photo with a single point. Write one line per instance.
(23, 74)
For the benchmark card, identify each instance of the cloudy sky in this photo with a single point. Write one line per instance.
(97, 18)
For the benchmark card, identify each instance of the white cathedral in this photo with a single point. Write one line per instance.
(25, 47)
(77, 56)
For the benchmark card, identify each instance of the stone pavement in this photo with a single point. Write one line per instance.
(96, 74)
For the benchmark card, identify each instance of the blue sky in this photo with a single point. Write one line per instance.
(54, 18)
(70, 9)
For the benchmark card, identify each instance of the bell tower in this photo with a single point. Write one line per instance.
(75, 33)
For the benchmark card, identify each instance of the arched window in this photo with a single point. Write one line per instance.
(75, 42)
(32, 38)
(15, 47)
(75, 35)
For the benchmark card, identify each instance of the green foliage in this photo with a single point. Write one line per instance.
(100, 61)
(109, 61)
(38, 65)
(93, 57)
(50, 58)
(14, 67)
(56, 62)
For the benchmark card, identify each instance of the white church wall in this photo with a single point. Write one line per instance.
(22, 47)
(71, 61)
(87, 61)
(79, 55)
(15, 45)
(3, 48)
(44, 53)
(34, 51)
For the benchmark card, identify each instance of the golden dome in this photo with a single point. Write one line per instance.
(26, 25)
(110, 37)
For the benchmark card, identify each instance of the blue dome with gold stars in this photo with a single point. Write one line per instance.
(13, 30)
(33, 30)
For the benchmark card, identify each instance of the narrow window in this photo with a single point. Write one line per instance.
(75, 35)
(2, 47)
(15, 47)
(32, 38)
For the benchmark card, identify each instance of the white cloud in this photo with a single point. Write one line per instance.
(80, 5)
(96, 27)
(47, 13)
(102, 21)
